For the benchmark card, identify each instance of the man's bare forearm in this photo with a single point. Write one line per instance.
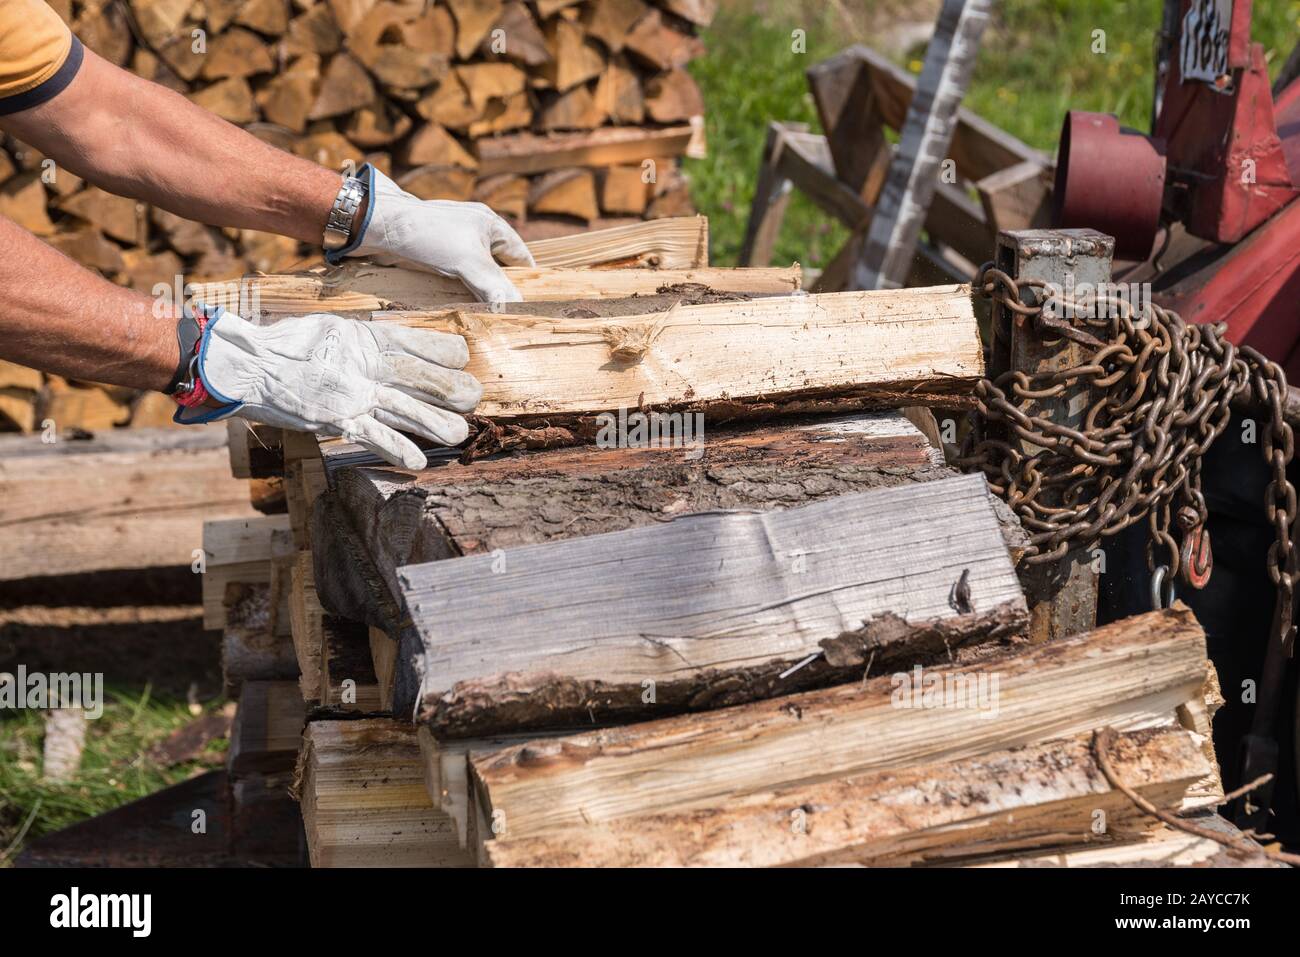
(138, 139)
(60, 317)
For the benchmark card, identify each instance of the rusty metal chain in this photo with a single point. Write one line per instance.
(1159, 391)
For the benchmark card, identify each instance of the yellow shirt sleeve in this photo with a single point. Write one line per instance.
(39, 56)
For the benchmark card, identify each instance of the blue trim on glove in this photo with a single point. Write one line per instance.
(230, 406)
(334, 257)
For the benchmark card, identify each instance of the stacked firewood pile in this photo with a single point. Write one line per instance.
(802, 641)
(555, 113)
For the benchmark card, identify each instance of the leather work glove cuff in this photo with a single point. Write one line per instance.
(194, 390)
(188, 331)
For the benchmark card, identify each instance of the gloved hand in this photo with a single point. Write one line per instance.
(334, 376)
(441, 236)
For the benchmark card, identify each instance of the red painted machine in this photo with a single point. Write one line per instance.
(1207, 203)
(1206, 209)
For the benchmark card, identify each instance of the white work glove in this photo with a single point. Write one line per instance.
(440, 236)
(334, 376)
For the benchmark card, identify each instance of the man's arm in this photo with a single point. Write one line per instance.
(138, 139)
(60, 317)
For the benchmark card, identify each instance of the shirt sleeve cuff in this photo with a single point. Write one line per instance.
(50, 88)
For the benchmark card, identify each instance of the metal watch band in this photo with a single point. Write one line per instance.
(188, 331)
(343, 214)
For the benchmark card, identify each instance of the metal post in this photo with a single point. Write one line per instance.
(1062, 595)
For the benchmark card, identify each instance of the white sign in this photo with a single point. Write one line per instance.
(1203, 48)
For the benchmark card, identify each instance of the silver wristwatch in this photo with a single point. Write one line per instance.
(343, 214)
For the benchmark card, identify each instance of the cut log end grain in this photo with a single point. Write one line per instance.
(474, 18)
(570, 192)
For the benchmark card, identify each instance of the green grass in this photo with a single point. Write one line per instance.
(114, 768)
(1036, 62)
(750, 76)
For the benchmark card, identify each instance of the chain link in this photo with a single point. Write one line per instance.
(1159, 392)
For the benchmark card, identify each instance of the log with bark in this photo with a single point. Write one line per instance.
(1046, 794)
(706, 610)
(377, 518)
(1130, 675)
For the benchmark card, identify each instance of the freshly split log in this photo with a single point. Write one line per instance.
(1129, 675)
(565, 192)
(1043, 795)
(914, 346)
(120, 500)
(708, 609)
(364, 288)
(364, 801)
(680, 242)
(1164, 847)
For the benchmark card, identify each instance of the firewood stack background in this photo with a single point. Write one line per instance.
(560, 115)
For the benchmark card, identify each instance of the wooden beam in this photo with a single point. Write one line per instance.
(1018, 197)
(1045, 794)
(1129, 675)
(890, 242)
(364, 802)
(705, 610)
(855, 128)
(978, 147)
(767, 208)
(954, 219)
(363, 287)
(125, 499)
